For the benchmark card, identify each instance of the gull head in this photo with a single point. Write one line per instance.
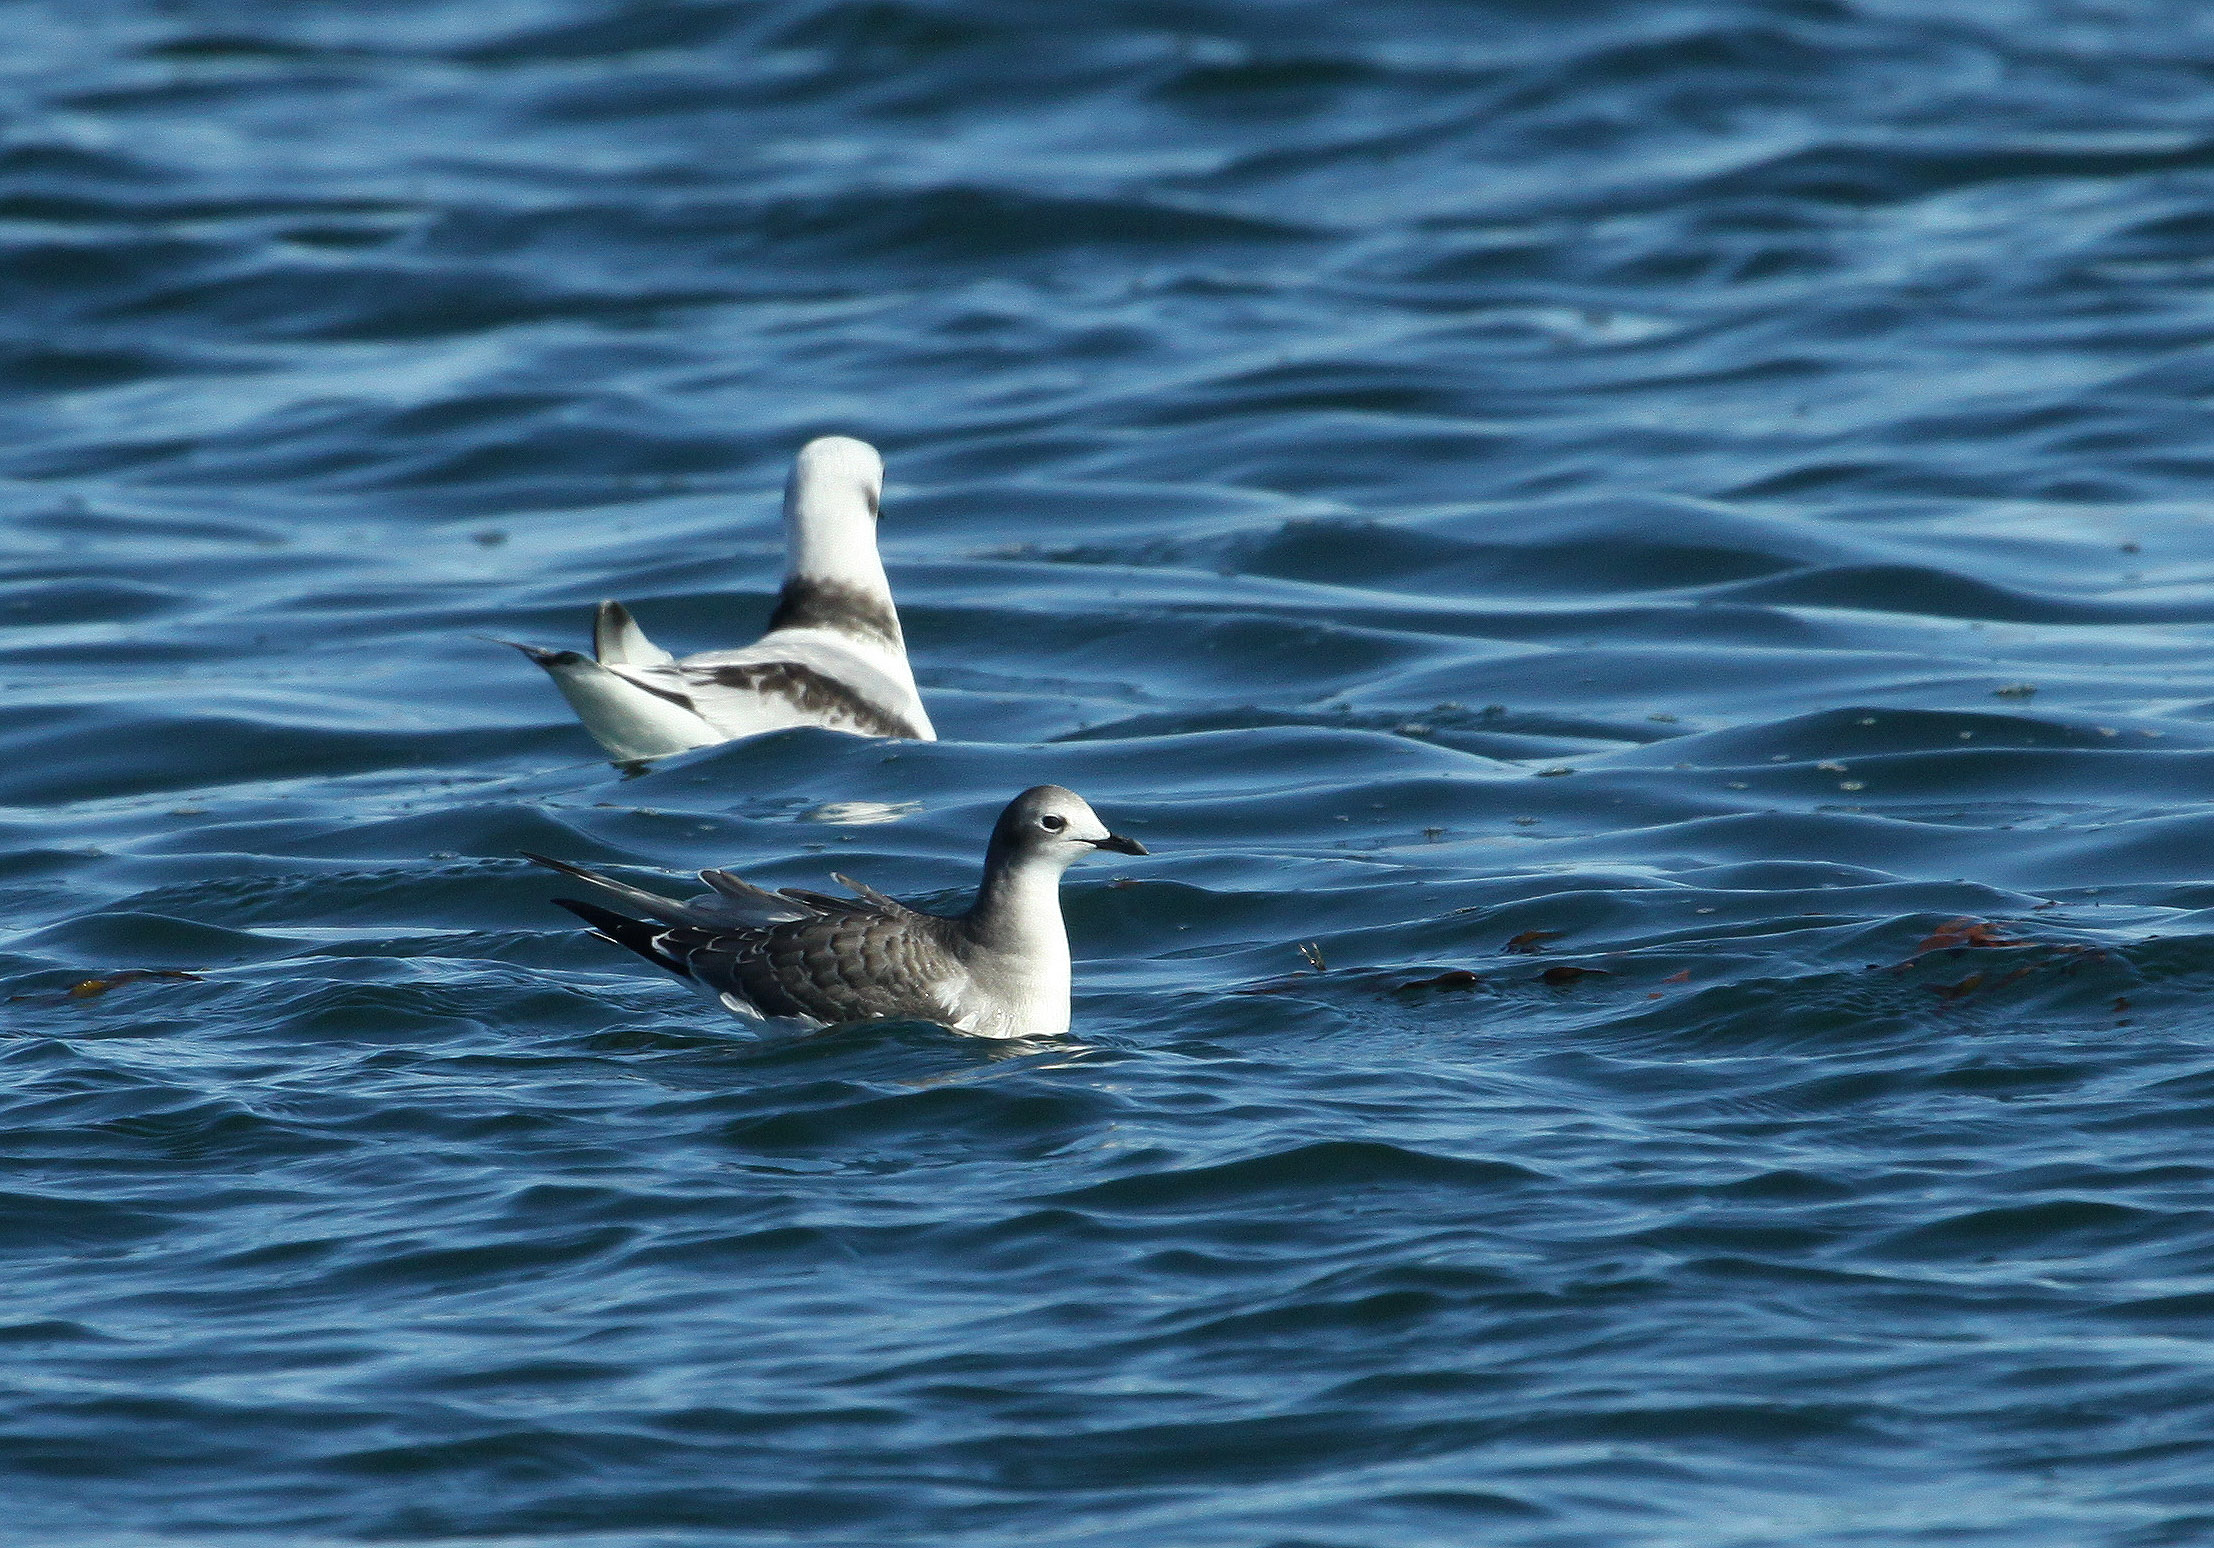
(835, 475)
(830, 509)
(1050, 825)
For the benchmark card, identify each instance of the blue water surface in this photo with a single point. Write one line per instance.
(1668, 540)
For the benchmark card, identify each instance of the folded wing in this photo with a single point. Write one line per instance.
(791, 955)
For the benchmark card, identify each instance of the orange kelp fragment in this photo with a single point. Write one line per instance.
(1967, 932)
(1531, 942)
(92, 988)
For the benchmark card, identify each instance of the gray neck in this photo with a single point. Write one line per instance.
(1018, 949)
(1018, 907)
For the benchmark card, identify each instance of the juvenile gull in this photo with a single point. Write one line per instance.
(833, 654)
(809, 960)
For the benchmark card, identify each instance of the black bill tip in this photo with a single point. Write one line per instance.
(1120, 845)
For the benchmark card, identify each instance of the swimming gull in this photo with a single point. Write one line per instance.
(833, 654)
(807, 960)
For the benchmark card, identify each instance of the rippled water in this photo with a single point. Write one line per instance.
(1709, 496)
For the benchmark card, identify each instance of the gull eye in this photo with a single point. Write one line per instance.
(1052, 823)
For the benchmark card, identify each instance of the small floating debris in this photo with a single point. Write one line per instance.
(1453, 978)
(1531, 942)
(1967, 932)
(1564, 973)
(1312, 951)
(93, 988)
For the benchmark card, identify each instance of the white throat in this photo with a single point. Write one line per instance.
(1023, 946)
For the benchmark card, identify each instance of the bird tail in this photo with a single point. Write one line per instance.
(618, 641)
(650, 941)
(627, 718)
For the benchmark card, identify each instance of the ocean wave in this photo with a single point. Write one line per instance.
(1641, 573)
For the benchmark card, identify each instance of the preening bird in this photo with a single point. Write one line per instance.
(807, 960)
(833, 655)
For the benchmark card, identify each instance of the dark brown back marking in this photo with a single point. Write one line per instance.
(808, 603)
(809, 690)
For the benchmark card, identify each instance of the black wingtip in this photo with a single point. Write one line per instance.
(563, 866)
(538, 653)
(631, 934)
